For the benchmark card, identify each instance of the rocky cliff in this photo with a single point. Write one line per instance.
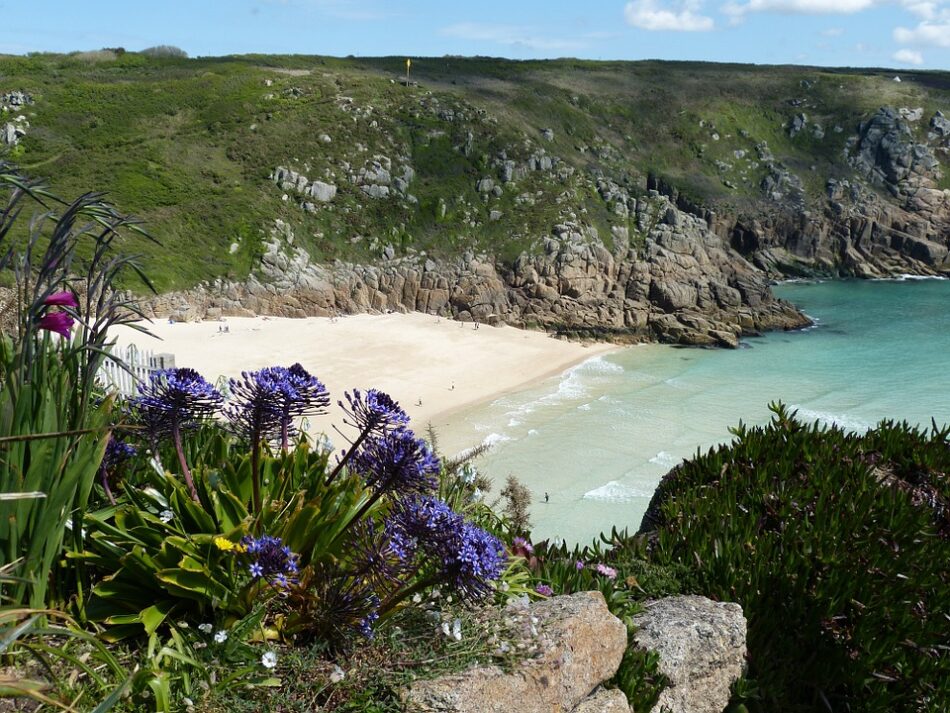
(681, 283)
(631, 201)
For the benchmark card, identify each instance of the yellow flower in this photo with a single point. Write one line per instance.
(224, 545)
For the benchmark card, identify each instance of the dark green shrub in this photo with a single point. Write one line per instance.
(837, 547)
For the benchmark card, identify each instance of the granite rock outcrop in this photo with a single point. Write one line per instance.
(671, 280)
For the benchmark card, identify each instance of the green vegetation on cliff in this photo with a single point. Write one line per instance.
(190, 145)
(837, 547)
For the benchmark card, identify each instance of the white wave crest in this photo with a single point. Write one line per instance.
(667, 460)
(493, 439)
(614, 492)
(904, 277)
(846, 421)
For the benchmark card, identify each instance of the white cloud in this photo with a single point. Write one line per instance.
(906, 56)
(684, 17)
(509, 36)
(800, 7)
(926, 33)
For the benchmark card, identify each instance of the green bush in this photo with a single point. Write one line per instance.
(837, 547)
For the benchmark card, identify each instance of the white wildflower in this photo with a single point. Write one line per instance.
(220, 636)
(166, 516)
(269, 659)
(337, 675)
(205, 628)
(417, 598)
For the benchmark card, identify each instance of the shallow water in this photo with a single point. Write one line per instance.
(598, 438)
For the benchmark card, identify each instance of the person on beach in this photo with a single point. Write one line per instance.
(547, 498)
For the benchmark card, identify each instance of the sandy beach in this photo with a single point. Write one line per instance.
(433, 367)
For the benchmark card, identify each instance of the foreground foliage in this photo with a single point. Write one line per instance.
(837, 546)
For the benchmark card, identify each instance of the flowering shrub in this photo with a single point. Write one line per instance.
(336, 549)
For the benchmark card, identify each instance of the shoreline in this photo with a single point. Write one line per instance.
(434, 367)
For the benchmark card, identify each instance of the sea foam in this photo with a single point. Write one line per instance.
(614, 492)
(843, 421)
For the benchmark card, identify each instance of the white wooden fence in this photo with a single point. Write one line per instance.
(139, 364)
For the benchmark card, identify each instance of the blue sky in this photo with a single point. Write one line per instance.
(889, 33)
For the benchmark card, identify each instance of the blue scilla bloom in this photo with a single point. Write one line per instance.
(475, 559)
(373, 410)
(270, 560)
(265, 402)
(172, 399)
(468, 557)
(397, 461)
(117, 452)
(422, 523)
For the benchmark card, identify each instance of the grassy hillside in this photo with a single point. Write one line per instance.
(189, 144)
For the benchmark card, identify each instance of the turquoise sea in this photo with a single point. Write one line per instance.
(598, 438)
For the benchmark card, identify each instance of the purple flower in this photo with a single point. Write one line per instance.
(397, 461)
(365, 624)
(544, 590)
(174, 399)
(579, 565)
(267, 401)
(373, 410)
(272, 561)
(375, 557)
(467, 557)
(421, 522)
(255, 408)
(608, 572)
(58, 322)
(117, 452)
(476, 559)
(61, 299)
(522, 544)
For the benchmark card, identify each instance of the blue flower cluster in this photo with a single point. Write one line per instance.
(117, 452)
(469, 557)
(173, 399)
(373, 411)
(397, 461)
(272, 560)
(266, 402)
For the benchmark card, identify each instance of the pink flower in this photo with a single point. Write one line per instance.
(61, 299)
(608, 572)
(58, 322)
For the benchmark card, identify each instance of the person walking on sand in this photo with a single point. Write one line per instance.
(547, 498)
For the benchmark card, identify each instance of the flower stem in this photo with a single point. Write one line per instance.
(256, 475)
(398, 597)
(349, 454)
(105, 485)
(176, 437)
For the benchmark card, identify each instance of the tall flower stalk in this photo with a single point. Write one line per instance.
(372, 412)
(173, 400)
(264, 405)
(54, 432)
